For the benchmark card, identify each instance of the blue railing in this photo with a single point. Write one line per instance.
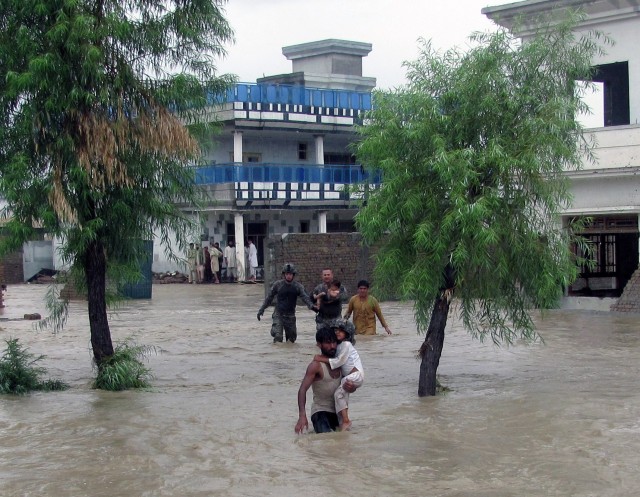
(290, 173)
(294, 95)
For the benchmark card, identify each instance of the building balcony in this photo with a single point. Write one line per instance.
(294, 107)
(284, 186)
(616, 151)
(280, 94)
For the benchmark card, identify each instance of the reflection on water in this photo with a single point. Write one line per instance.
(559, 418)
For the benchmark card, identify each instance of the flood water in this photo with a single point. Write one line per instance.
(554, 419)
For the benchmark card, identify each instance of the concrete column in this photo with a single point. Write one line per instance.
(639, 243)
(239, 233)
(237, 146)
(322, 222)
(319, 149)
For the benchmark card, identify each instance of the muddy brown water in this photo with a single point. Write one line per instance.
(560, 418)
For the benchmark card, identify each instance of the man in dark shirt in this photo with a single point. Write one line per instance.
(331, 309)
(287, 292)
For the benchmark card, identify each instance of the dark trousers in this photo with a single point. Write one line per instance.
(325, 422)
(286, 322)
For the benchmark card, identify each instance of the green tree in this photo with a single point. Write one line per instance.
(102, 104)
(473, 152)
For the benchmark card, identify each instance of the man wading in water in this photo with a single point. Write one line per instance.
(331, 309)
(287, 292)
(323, 382)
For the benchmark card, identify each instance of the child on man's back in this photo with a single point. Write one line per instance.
(348, 359)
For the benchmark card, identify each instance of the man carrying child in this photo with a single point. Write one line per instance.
(331, 311)
(324, 382)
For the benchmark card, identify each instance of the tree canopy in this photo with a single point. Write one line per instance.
(473, 153)
(102, 110)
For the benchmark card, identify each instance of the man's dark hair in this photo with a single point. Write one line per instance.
(363, 283)
(326, 335)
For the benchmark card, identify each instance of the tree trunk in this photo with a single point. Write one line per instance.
(431, 349)
(96, 273)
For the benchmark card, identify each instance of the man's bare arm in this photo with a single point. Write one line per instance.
(309, 377)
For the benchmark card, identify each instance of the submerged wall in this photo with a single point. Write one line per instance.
(312, 252)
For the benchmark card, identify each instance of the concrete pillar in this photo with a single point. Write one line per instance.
(237, 146)
(319, 149)
(322, 222)
(239, 233)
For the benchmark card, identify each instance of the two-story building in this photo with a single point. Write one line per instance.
(283, 159)
(607, 190)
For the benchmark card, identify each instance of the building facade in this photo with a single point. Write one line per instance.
(607, 190)
(282, 162)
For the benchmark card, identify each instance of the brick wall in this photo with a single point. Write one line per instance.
(629, 301)
(312, 252)
(11, 268)
(350, 261)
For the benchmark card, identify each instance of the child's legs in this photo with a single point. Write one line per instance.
(357, 378)
(341, 396)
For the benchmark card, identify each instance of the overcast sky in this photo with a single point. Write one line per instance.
(263, 27)
(393, 27)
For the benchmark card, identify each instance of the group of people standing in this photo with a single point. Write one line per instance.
(205, 264)
(326, 300)
(337, 371)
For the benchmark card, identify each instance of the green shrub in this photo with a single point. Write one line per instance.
(19, 373)
(124, 369)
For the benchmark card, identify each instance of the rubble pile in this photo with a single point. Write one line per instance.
(170, 277)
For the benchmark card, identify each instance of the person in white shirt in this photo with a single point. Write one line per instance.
(230, 261)
(253, 260)
(348, 360)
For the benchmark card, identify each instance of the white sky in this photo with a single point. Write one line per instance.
(263, 27)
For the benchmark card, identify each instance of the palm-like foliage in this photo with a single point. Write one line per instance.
(101, 107)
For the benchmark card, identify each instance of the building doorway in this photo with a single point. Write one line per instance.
(257, 231)
(613, 241)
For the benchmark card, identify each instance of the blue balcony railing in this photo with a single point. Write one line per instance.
(290, 173)
(294, 95)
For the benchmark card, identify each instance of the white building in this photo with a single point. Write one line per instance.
(607, 190)
(282, 160)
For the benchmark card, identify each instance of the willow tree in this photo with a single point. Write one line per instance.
(102, 102)
(473, 153)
